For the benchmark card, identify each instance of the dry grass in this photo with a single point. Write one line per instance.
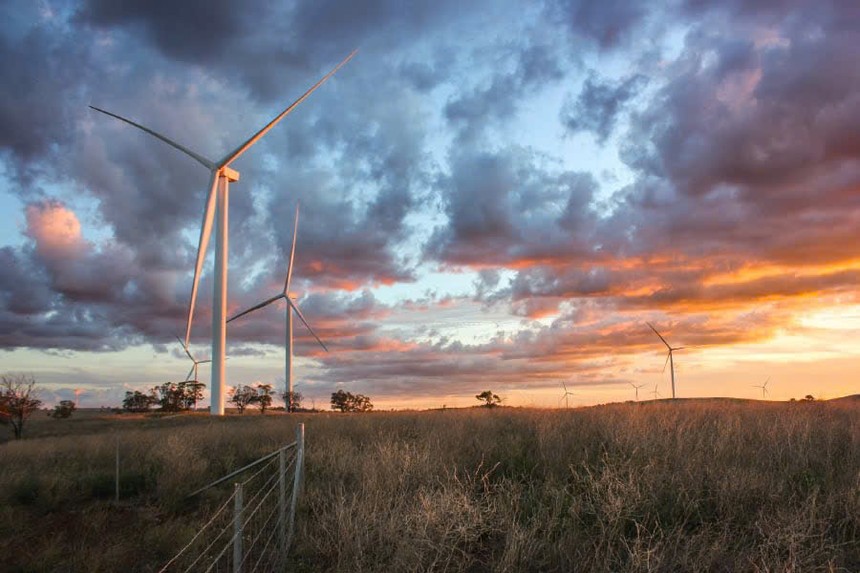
(689, 486)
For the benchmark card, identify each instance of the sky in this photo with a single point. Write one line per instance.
(494, 195)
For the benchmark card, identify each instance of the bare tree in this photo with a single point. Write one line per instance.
(18, 400)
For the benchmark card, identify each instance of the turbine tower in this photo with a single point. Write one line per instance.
(285, 294)
(636, 389)
(763, 388)
(217, 203)
(669, 359)
(195, 362)
(565, 396)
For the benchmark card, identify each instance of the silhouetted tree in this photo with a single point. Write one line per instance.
(18, 400)
(809, 398)
(264, 396)
(137, 401)
(489, 399)
(64, 409)
(349, 402)
(293, 401)
(242, 397)
(192, 392)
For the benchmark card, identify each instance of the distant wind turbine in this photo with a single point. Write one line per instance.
(636, 388)
(195, 362)
(763, 388)
(285, 294)
(565, 396)
(655, 393)
(669, 359)
(217, 204)
(78, 392)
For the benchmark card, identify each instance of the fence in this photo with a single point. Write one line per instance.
(252, 529)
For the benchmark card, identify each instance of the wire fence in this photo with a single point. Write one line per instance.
(252, 529)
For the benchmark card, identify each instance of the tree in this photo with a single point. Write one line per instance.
(349, 402)
(264, 396)
(809, 398)
(243, 396)
(64, 409)
(292, 401)
(137, 401)
(18, 400)
(178, 396)
(192, 393)
(489, 399)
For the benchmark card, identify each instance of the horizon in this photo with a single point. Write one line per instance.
(501, 210)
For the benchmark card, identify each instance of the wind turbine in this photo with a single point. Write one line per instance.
(78, 392)
(636, 388)
(763, 388)
(194, 360)
(669, 359)
(565, 396)
(285, 294)
(655, 393)
(217, 203)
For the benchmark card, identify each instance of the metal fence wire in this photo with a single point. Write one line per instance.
(251, 530)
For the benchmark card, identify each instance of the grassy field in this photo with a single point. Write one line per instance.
(696, 485)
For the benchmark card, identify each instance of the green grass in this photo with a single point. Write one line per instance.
(688, 486)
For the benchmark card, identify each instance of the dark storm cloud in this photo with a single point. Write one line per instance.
(194, 30)
(607, 23)
(598, 105)
(505, 208)
(40, 63)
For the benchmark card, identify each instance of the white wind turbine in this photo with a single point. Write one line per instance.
(195, 362)
(565, 396)
(285, 294)
(636, 388)
(669, 359)
(763, 388)
(217, 203)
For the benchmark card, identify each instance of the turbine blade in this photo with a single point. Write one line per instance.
(667, 361)
(185, 348)
(205, 361)
(257, 306)
(205, 232)
(233, 155)
(766, 381)
(658, 334)
(292, 254)
(190, 372)
(302, 318)
(197, 157)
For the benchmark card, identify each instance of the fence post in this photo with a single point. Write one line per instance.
(237, 530)
(117, 469)
(282, 504)
(297, 480)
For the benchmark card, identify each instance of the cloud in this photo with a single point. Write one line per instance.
(734, 206)
(598, 105)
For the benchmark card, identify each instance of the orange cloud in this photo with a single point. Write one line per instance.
(55, 229)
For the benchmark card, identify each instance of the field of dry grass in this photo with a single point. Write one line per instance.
(688, 486)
